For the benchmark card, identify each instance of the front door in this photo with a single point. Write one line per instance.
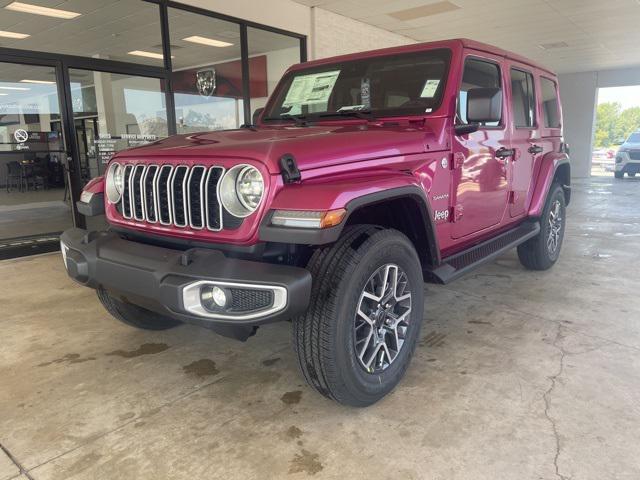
(479, 179)
(35, 199)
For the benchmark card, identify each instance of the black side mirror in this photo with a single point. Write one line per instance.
(256, 115)
(484, 105)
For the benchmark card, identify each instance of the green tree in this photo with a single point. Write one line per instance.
(614, 124)
(607, 119)
(629, 121)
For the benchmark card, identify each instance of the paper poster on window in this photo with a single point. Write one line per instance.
(312, 88)
(430, 88)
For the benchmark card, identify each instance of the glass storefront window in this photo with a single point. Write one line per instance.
(270, 54)
(207, 72)
(34, 199)
(127, 31)
(113, 112)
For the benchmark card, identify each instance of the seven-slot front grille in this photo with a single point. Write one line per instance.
(173, 195)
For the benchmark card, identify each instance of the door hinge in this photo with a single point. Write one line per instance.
(456, 213)
(513, 196)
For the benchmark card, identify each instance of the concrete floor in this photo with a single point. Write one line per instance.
(518, 375)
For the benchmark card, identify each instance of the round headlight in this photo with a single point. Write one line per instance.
(241, 190)
(114, 183)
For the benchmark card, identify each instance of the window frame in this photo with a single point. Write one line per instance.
(557, 96)
(498, 64)
(535, 124)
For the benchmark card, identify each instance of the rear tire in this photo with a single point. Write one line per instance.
(542, 251)
(134, 315)
(346, 358)
(631, 174)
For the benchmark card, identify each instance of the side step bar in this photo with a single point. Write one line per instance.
(463, 262)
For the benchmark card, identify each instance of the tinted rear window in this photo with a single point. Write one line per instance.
(550, 108)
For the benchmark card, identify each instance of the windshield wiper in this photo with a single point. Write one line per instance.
(300, 120)
(364, 114)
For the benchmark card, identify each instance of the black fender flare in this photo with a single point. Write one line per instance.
(325, 236)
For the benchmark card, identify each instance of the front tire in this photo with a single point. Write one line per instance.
(542, 251)
(618, 175)
(355, 341)
(134, 315)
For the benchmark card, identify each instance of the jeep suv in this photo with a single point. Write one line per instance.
(364, 176)
(628, 157)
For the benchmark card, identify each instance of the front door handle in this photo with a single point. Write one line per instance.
(505, 152)
(535, 149)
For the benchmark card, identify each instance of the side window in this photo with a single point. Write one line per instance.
(523, 103)
(477, 74)
(550, 103)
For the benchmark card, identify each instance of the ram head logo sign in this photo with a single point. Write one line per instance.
(206, 82)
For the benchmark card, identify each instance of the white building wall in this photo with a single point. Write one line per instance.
(579, 93)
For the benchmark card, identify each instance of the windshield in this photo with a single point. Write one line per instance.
(405, 84)
(634, 138)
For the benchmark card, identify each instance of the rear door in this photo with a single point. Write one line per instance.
(525, 136)
(479, 176)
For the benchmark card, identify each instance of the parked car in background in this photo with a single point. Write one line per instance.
(628, 157)
(364, 176)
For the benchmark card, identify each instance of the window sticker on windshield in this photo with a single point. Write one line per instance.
(429, 89)
(312, 88)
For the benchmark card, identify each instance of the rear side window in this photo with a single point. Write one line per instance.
(477, 74)
(523, 103)
(550, 103)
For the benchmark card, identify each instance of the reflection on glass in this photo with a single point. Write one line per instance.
(33, 198)
(207, 72)
(113, 112)
(270, 54)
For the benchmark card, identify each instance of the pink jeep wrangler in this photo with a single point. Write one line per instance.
(364, 176)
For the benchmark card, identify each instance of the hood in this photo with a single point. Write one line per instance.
(313, 146)
(631, 145)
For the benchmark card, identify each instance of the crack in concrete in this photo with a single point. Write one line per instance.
(15, 461)
(547, 402)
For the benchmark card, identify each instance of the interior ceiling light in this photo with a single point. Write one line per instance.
(552, 45)
(38, 10)
(142, 53)
(43, 82)
(18, 36)
(211, 42)
(424, 11)
(14, 88)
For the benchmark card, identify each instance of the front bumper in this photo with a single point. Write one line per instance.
(624, 163)
(167, 281)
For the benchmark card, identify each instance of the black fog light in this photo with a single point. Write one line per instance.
(214, 298)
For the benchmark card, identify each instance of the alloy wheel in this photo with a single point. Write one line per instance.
(382, 318)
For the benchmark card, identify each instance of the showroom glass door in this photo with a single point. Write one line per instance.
(113, 112)
(35, 200)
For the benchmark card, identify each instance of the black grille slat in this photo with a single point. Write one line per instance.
(163, 199)
(136, 193)
(126, 194)
(195, 192)
(213, 207)
(634, 154)
(149, 194)
(178, 195)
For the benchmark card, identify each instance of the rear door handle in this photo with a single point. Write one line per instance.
(505, 152)
(535, 149)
